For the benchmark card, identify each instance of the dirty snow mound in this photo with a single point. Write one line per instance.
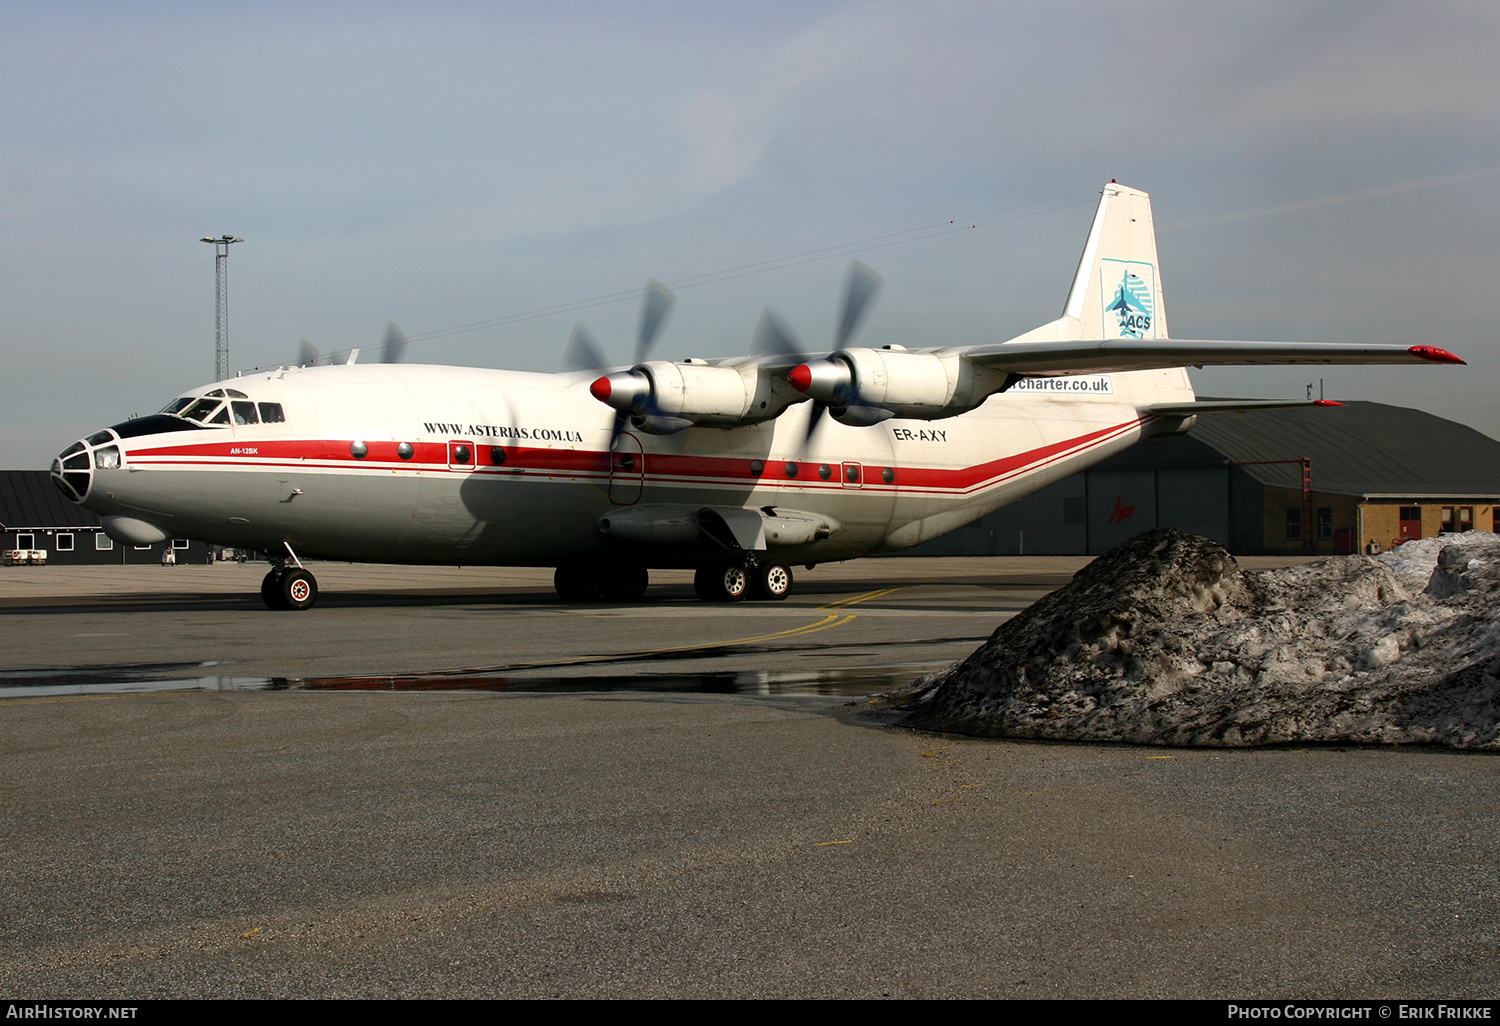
(1164, 640)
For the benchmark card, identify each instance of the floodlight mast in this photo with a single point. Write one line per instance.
(221, 303)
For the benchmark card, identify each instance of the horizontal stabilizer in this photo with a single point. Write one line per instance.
(1096, 356)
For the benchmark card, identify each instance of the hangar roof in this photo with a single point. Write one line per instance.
(29, 500)
(1361, 448)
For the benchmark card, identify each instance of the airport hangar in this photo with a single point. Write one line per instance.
(1379, 474)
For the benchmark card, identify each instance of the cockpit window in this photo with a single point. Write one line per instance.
(200, 410)
(210, 409)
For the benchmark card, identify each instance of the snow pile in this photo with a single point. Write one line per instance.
(1164, 640)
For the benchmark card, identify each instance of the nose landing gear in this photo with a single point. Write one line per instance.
(288, 585)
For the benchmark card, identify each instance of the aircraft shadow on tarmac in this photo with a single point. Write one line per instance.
(173, 602)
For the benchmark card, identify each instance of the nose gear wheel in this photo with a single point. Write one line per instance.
(288, 587)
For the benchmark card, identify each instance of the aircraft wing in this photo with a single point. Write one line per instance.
(1096, 356)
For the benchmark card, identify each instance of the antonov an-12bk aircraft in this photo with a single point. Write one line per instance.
(739, 468)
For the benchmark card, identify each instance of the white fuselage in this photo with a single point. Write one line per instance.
(539, 473)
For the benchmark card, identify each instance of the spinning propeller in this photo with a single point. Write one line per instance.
(628, 392)
(392, 350)
(828, 381)
(307, 356)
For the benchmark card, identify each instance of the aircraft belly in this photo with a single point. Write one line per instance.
(330, 513)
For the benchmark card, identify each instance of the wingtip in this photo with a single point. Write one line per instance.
(1435, 355)
(1326, 402)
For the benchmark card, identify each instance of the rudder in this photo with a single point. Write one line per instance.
(1117, 289)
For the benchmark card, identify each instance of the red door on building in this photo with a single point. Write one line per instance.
(1411, 523)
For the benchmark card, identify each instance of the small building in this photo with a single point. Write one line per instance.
(1379, 475)
(34, 515)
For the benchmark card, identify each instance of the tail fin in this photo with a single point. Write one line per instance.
(1117, 289)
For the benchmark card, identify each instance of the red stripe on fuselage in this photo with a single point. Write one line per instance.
(661, 468)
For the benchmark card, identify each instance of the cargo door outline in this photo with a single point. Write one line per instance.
(627, 470)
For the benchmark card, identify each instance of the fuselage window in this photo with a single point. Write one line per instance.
(222, 417)
(244, 413)
(270, 413)
(200, 410)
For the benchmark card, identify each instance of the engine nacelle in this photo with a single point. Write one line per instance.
(855, 383)
(698, 390)
(662, 396)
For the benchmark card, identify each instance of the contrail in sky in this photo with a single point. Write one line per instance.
(1344, 197)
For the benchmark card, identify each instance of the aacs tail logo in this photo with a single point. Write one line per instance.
(1132, 306)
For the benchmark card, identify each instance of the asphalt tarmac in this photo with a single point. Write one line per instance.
(263, 831)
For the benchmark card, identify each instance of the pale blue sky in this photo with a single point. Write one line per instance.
(459, 163)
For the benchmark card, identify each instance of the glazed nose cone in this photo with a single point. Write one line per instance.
(73, 470)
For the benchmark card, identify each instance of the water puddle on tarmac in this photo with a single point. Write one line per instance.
(109, 680)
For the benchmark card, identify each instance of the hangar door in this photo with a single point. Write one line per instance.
(1122, 503)
(1195, 500)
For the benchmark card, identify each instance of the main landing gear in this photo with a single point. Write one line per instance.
(730, 582)
(288, 585)
(720, 582)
